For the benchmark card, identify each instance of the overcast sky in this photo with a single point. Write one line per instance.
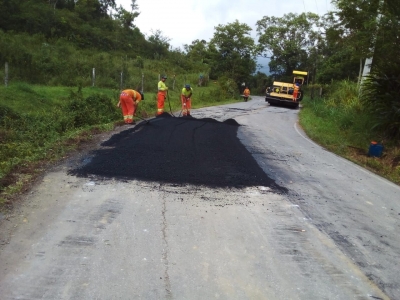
(184, 21)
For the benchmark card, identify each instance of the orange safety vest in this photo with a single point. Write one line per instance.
(135, 95)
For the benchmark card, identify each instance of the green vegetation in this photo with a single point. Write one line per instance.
(40, 124)
(53, 101)
(343, 124)
(380, 95)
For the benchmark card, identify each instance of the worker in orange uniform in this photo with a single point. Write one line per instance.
(246, 94)
(128, 101)
(161, 95)
(186, 99)
(296, 88)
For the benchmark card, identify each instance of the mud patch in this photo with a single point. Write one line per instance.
(178, 151)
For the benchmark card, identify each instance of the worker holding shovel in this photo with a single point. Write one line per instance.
(161, 95)
(186, 100)
(128, 101)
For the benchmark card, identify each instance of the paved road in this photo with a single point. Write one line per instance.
(334, 235)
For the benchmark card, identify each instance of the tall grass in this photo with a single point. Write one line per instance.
(381, 97)
(36, 124)
(338, 119)
(342, 123)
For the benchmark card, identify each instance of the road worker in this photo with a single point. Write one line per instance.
(296, 88)
(246, 94)
(161, 95)
(128, 101)
(186, 99)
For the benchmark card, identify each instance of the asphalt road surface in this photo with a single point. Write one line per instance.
(236, 203)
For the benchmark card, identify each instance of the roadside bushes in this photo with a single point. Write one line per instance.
(95, 109)
(47, 126)
(381, 97)
(30, 136)
(374, 108)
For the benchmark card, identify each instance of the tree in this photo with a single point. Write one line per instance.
(358, 19)
(197, 51)
(106, 4)
(159, 44)
(373, 28)
(233, 52)
(290, 39)
(134, 5)
(126, 18)
(336, 58)
(89, 10)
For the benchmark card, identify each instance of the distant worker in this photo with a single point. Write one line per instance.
(161, 95)
(201, 79)
(296, 88)
(128, 101)
(186, 100)
(246, 94)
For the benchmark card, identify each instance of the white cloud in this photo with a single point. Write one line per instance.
(184, 21)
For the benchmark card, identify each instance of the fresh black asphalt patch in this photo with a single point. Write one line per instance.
(178, 151)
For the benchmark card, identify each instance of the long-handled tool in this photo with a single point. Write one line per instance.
(147, 121)
(184, 105)
(181, 109)
(170, 109)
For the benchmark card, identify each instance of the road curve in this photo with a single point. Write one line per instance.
(331, 235)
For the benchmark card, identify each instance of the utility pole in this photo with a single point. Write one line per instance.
(368, 61)
(93, 76)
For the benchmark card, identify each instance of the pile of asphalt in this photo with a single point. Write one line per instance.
(178, 151)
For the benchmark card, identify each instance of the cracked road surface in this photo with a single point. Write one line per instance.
(311, 225)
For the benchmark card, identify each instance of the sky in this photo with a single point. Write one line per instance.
(183, 21)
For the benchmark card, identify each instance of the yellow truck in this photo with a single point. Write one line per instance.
(283, 93)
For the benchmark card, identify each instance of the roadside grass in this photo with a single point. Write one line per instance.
(40, 125)
(36, 99)
(339, 123)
